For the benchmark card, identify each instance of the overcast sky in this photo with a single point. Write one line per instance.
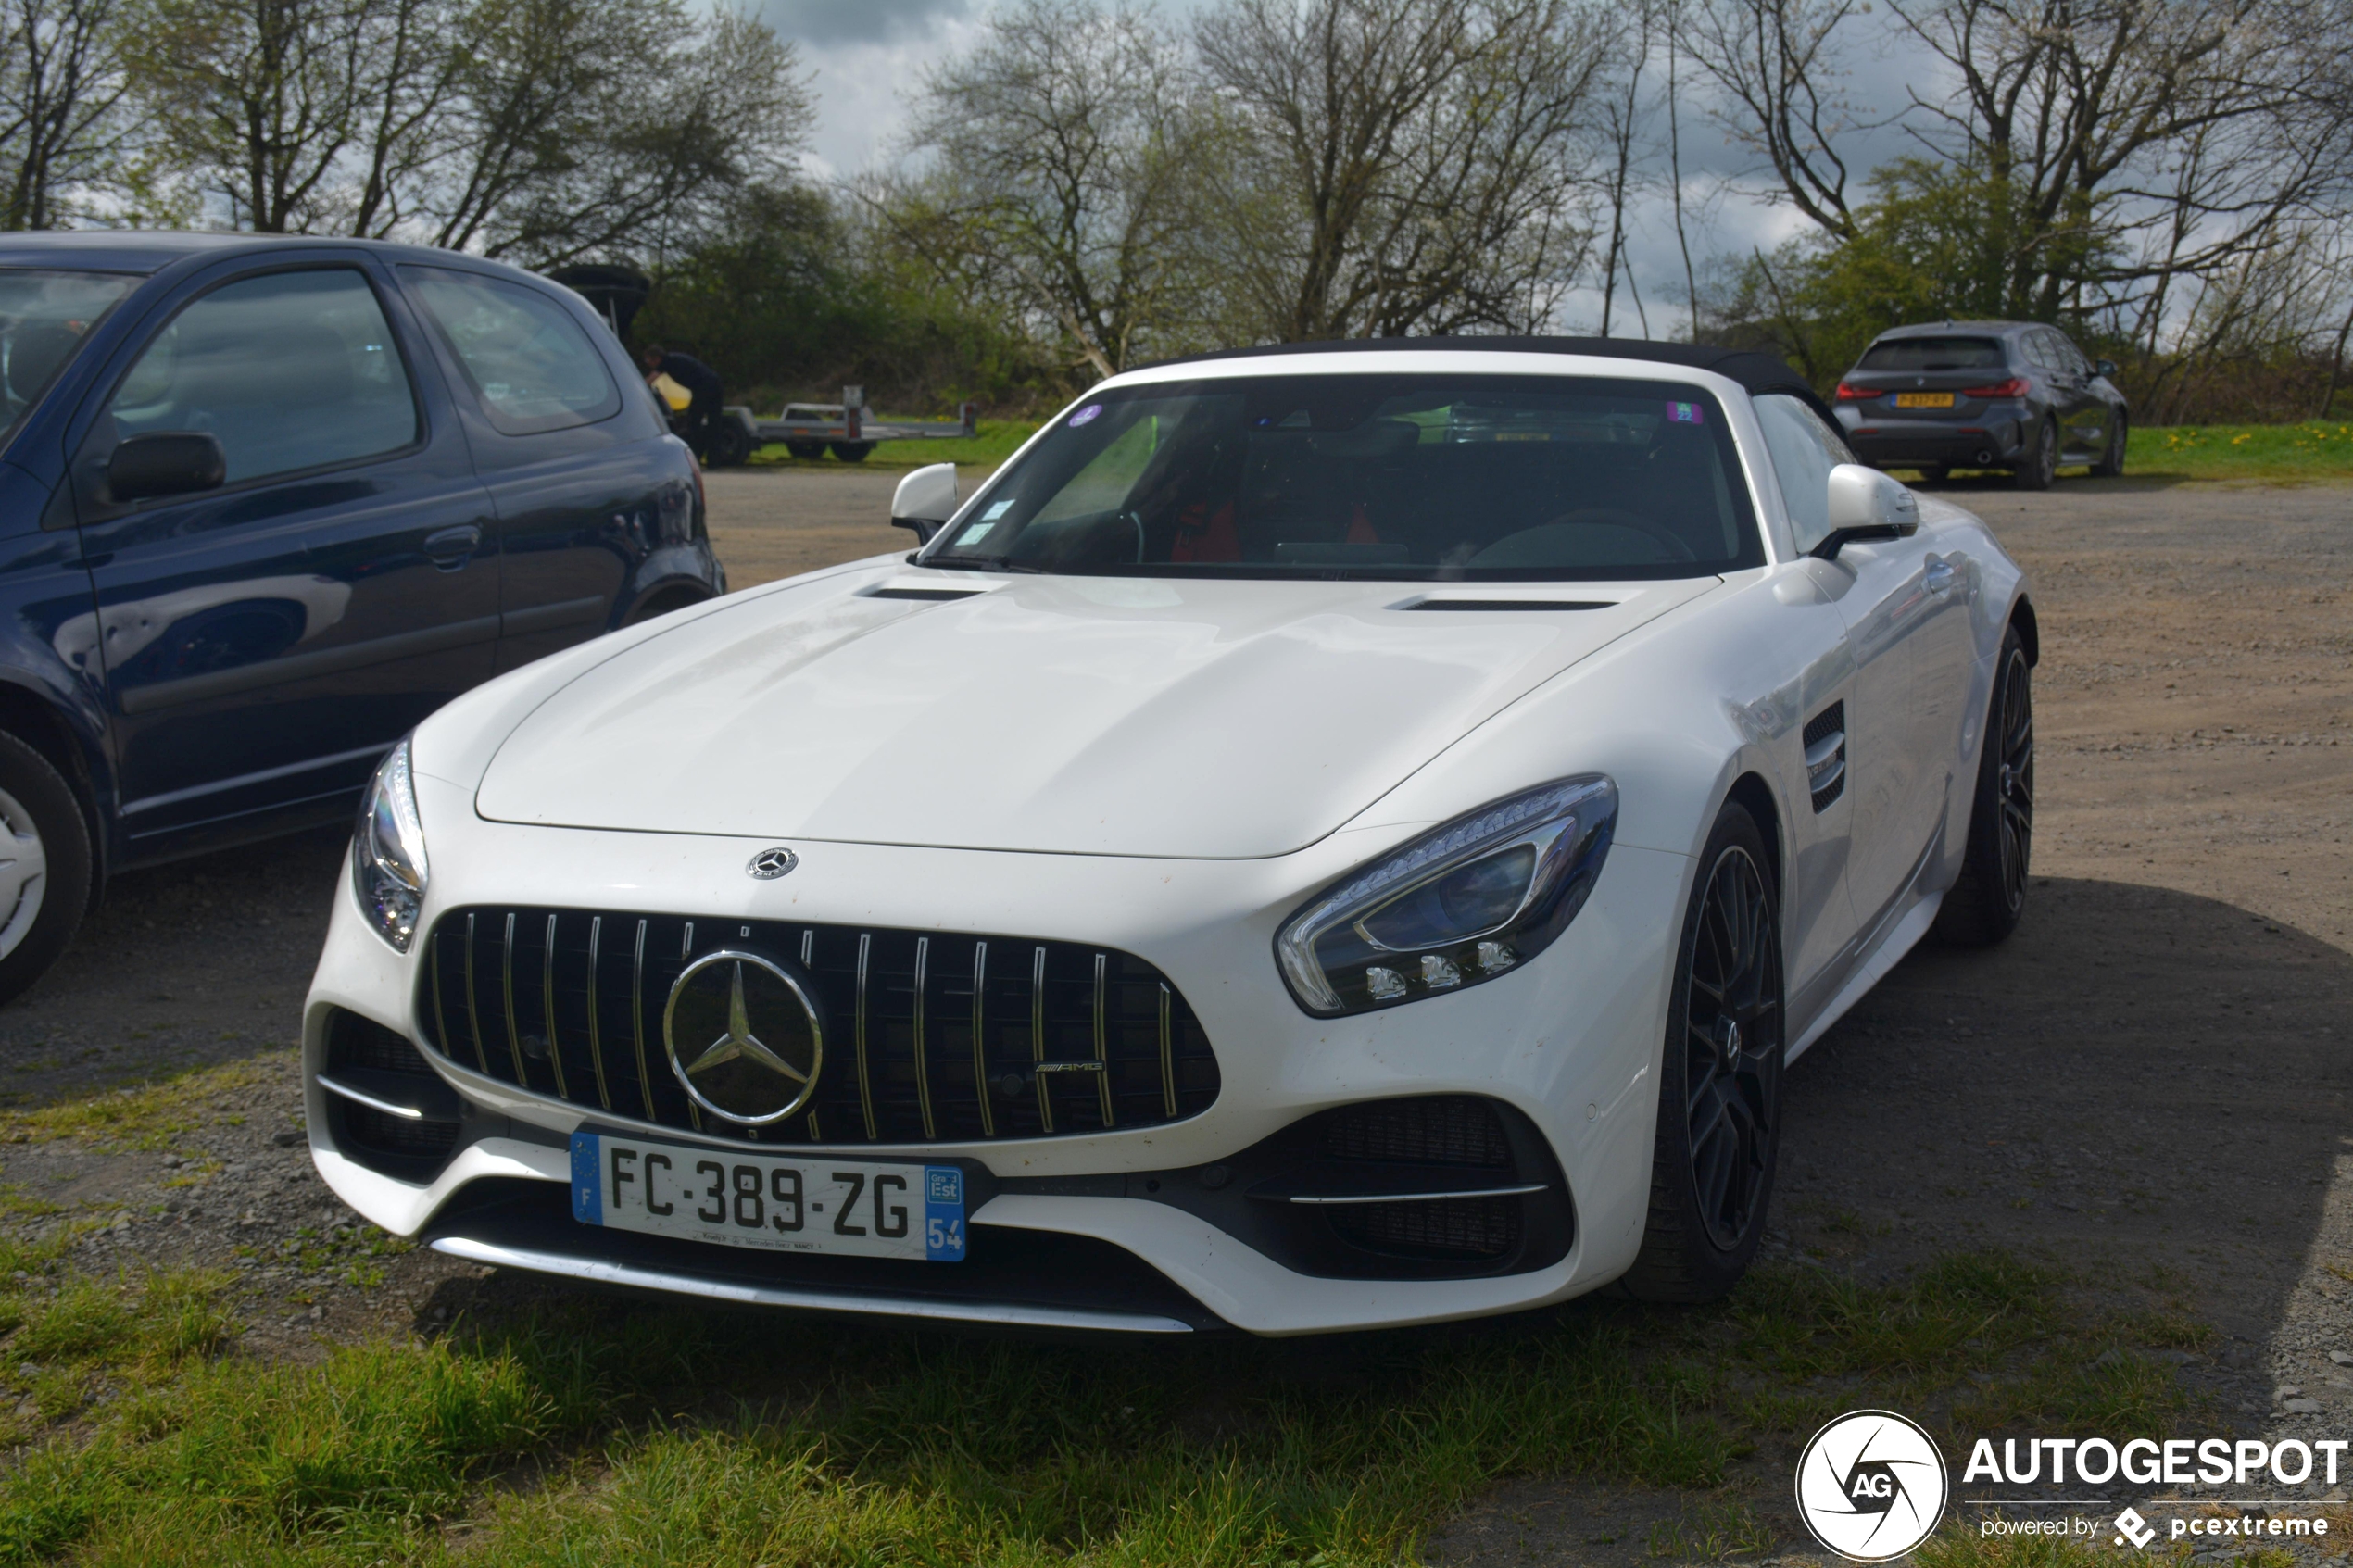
(865, 56)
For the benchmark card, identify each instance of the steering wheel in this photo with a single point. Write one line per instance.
(1618, 517)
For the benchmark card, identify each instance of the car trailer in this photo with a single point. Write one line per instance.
(807, 430)
(617, 293)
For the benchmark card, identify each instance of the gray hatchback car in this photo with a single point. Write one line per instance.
(1983, 395)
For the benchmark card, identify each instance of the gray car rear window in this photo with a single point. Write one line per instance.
(1933, 354)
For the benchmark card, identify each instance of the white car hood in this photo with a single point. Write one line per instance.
(1088, 715)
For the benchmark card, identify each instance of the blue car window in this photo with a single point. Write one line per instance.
(43, 317)
(291, 371)
(529, 362)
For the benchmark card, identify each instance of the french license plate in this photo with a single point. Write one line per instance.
(1924, 400)
(781, 1203)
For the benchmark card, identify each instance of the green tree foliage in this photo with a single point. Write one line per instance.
(791, 298)
(1933, 241)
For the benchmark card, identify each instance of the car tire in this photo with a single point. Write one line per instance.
(852, 451)
(1983, 905)
(44, 866)
(1719, 1138)
(2040, 467)
(808, 451)
(2111, 466)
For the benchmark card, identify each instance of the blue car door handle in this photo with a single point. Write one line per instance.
(451, 549)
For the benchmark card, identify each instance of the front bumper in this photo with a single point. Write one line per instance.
(1098, 1230)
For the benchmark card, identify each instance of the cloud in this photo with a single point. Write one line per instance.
(816, 24)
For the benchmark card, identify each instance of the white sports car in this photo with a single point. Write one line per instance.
(1324, 838)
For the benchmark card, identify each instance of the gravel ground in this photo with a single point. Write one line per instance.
(2148, 1083)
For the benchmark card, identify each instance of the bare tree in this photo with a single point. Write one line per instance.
(2186, 129)
(1780, 66)
(1624, 116)
(261, 98)
(1062, 154)
(61, 89)
(1412, 165)
(649, 149)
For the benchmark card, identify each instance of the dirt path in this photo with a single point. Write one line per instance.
(2153, 1075)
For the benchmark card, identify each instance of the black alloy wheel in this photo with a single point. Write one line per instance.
(2111, 465)
(1720, 1078)
(1985, 902)
(2040, 467)
(1732, 1047)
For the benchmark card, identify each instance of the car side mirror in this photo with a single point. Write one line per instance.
(925, 499)
(2106, 367)
(165, 463)
(1866, 504)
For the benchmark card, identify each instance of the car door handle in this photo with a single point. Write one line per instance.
(1939, 578)
(451, 548)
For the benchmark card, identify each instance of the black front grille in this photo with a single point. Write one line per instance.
(376, 1133)
(364, 1055)
(1453, 1228)
(928, 1036)
(1433, 1130)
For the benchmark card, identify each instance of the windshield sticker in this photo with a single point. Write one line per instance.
(1085, 415)
(975, 534)
(1000, 509)
(1682, 414)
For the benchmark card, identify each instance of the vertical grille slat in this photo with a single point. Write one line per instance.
(980, 1040)
(473, 1019)
(507, 993)
(927, 1039)
(638, 1023)
(1038, 1041)
(548, 1007)
(596, 1031)
(865, 1075)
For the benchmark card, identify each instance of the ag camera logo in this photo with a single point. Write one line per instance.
(1871, 1485)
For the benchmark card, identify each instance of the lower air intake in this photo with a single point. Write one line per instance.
(1452, 1228)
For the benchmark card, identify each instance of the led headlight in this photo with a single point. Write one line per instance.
(388, 866)
(1461, 903)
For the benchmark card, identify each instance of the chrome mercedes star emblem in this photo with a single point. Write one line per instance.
(770, 864)
(743, 1039)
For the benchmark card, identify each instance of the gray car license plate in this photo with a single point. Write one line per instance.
(781, 1203)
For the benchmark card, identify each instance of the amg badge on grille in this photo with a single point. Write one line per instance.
(742, 1037)
(770, 864)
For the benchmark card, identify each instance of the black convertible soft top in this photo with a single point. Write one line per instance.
(1754, 371)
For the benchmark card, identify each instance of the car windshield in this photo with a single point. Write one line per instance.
(1386, 476)
(44, 316)
(1933, 354)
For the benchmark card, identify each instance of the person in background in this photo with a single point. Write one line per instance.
(702, 386)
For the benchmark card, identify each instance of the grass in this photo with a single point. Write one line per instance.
(994, 440)
(593, 1430)
(151, 1115)
(2313, 451)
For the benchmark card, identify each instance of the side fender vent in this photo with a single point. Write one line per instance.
(1825, 740)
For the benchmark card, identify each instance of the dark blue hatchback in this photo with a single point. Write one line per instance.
(265, 504)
